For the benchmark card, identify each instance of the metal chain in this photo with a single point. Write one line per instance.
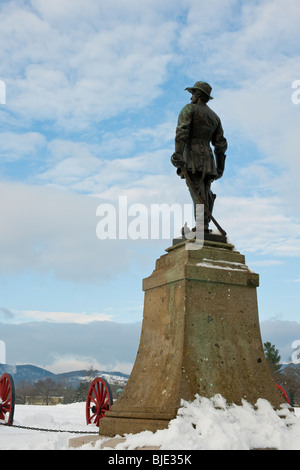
(48, 430)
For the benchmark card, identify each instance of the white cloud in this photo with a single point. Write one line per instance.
(108, 11)
(60, 317)
(267, 262)
(14, 146)
(71, 171)
(48, 230)
(118, 159)
(58, 69)
(103, 344)
(205, 18)
(256, 35)
(69, 363)
(259, 225)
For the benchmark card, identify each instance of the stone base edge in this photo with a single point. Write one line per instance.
(120, 426)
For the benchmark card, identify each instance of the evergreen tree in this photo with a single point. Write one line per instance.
(81, 392)
(272, 356)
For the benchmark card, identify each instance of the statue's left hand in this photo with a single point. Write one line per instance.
(220, 174)
(177, 160)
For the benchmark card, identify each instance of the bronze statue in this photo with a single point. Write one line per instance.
(199, 126)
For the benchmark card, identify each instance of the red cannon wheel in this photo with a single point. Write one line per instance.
(99, 401)
(284, 393)
(7, 399)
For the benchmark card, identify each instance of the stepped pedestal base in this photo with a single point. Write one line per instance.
(200, 335)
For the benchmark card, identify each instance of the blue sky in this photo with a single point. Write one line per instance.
(93, 92)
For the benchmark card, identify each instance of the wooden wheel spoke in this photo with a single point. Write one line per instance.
(94, 399)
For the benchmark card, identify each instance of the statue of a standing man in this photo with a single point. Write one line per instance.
(198, 127)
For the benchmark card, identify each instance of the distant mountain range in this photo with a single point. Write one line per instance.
(289, 377)
(30, 374)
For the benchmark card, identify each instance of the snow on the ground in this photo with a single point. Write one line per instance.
(202, 424)
(214, 425)
(62, 417)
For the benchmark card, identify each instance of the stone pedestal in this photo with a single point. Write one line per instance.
(200, 335)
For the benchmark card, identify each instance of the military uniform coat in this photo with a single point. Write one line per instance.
(198, 126)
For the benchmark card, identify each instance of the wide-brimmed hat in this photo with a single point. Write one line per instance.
(201, 86)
